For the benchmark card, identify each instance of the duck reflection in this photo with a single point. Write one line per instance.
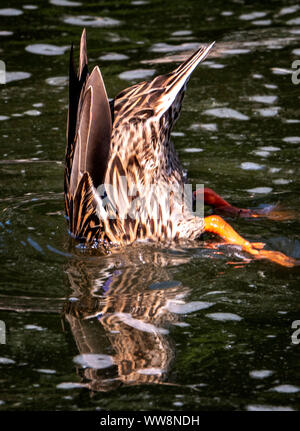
(120, 314)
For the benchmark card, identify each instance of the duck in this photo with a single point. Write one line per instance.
(123, 181)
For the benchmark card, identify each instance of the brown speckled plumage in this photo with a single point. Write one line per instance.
(127, 138)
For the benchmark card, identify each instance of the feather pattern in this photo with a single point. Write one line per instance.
(123, 178)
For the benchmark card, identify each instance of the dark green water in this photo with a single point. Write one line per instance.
(151, 327)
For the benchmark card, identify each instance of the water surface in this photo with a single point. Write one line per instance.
(151, 327)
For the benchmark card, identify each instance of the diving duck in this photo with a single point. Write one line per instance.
(123, 179)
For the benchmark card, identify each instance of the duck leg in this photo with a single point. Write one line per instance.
(211, 198)
(217, 225)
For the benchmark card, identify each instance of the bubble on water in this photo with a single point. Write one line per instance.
(292, 139)
(281, 181)
(181, 33)
(46, 371)
(227, 13)
(294, 21)
(137, 74)
(16, 76)
(292, 121)
(177, 134)
(58, 81)
(281, 71)
(288, 10)
(6, 33)
(213, 65)
(46, 49)
(260, 190)
(6, 361)
(30, 7)
(210, 127)
(139, 2)
(164, 47)
(251, 166)
(261, 153)
(271, 86)
(274, 170)
(32, 113)
(262, 22)
(266, 408)
(70, 385)
(224, 317)
(139, 324)
(226, 113)
(65, 3)
(113, 56)
(260, 374)
(251, 16)
(10, 12)
(268, 112)
(91, 21)
(286, 389)
(270, 148)
(34, 328)
(263, 99)
(193, 150)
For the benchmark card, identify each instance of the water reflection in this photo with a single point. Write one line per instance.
(120, 318)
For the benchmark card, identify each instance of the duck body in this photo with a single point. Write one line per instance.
(123, 179)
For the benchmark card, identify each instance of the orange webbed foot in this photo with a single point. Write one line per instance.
(217, 225)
